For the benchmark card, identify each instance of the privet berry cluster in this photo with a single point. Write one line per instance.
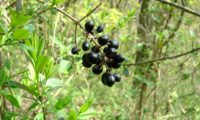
(103, 53)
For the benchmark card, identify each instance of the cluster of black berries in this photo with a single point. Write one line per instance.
(104, 52)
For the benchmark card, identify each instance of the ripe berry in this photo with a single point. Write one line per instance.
(103, 78)
(117, 77)
(115, 64)
(86, 45)
(100, 28)
(114, 44)
(110, 80)
(97, 69)
(96, 49)
(119, 58)
(93, 57)
(86, 64)
(103, 40)
(110, 52)
(89, 26)
(74, 50)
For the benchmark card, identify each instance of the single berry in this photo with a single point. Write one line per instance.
(103, 78)
(96, 49)
(84, 57)
(110, 52)
(93, 57)
(74, 50)
(89, 26)
(86, 45)
(100, 28)
(115, 64)
(114, 44)
(119, 58)
(110, 80)
(103, 40)
(86, 64)
(97, 69)
(117, 77)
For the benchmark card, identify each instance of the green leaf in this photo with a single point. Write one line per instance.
(33, 105)
(3, 76)
(72, 115)
(13, 100)
(41, 62)
(20, 34)
(57, 1)
(87, 115)
(85, 106)
(65, 66)
(54, 82)
(19, 19)
(63, 102)
(14, 84)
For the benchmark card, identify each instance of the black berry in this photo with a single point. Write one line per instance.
(74, 50)
(86, 64)
(100, 29)
(103, 40)
(93, 57)
(110, 80)
(117, 77)
(114, 44)
(119, 58)
(86, 45)
(89, 26)
(103, 78)
(115, 64)
(97, 69)
(110, 52)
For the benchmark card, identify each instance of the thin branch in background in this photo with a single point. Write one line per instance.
(188, 10)
(89, 13)
(11, 5)
(68, 15)
(75, 32)
(165, 58)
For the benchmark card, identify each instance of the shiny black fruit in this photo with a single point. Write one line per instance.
(103, 40)
(111, 51)
(114, 44)
(115, 64)
(93, 57)
(100, 29)
(74, 50)
(86, 45)
(89, 26)
(103, 78)
(110, 80)
(117, 77)
(119, 58)
(97, 69)
(86, 64)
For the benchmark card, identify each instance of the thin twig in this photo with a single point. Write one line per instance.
(68, 15)
(164, 58)
(90, 12)
(11, 5)
(188, 10)
(75, 41)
